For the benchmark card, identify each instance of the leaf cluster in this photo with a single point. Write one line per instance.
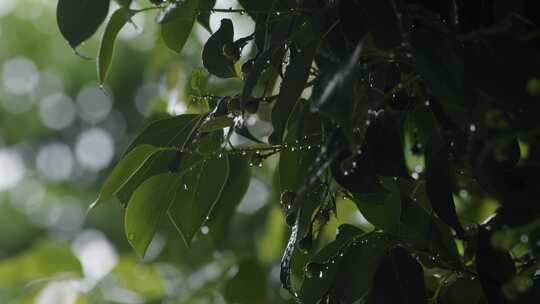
(420, 112)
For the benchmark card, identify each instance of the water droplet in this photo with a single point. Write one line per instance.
(205, 230)
(472, 127)
(185, 187)
(244, 153)
(220, 155)
(131, 236)
(314, 270)
(287, 199)
(427, 103)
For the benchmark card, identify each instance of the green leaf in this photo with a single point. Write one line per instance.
(204, 13)
(346, 268)
(259, 65)
(313, 287)
(169, 132)
(216, 123)
(494, 267)
(78, 20)
(168, 135)
(355, 172)
(162, 161)
(382, 209)
(399, 279)
(126, 168)
(106, 49)
(428, 234)
(146, 208)
(331, 94)
(443, 71)
(234, 190)
(248, 286)
(458, 288)
(213, 58)
(201, 186)
(439, 184)
(291, 89)
(176, 23)
(294, 163)
(383, 142)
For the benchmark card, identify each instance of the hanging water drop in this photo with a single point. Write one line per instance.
(287, 200)
(314, 270)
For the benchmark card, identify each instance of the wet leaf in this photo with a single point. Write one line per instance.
(216, 123)
(331, 94)
(347, 269)
(78, 20)
(442, 69)
(399, 279)
(106, 49)
(262, 62)
(429, 234)
(214, 59)
(126, 168)
(495, 267)
(146, 209)
(439, 184)
(382, 209)
(176, 23)
(383, 142)
(158, 163)
(233, 192)
(204, 13)
(291, 89)
(200, 190)
(295, 161)
(174, 132)
(459, 288)
(169, 132)
(356, 173)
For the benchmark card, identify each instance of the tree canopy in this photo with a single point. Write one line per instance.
(421, 114)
